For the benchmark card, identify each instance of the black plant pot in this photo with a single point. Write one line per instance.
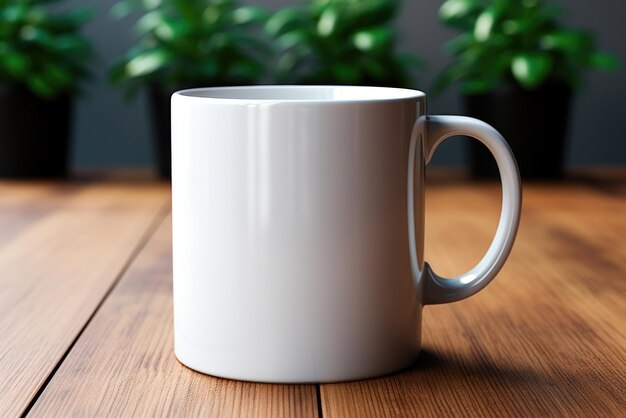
(161, 109)
(34, 134)
(534, 122)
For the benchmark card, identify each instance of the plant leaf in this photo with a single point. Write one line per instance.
(458, 44)
(372, 39)
(117, 72)
(40, 87)
(476, 86)
(484, 24)
(531, 69)
(150, 21)
(410, 60)
(171, 30)
(288, 61)
(603, 61)
(13, 14)
(246, 70)
(72, 43)
(58, 75)
(15, 62)
(209, 69)
(121, 9)
(147, 62)
(34, 34)
(375, 69)
(452, 10)
(249, 14)
(292, 38)
(151, 4)
(345, 73)
(565, 40)
(282, 21)
(79, 15)
(327, 22)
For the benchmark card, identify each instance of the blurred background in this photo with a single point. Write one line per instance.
(110, 131)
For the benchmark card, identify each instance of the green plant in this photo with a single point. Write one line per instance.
(192, 42)
(515, 41)
(340, 42)
(42, 50)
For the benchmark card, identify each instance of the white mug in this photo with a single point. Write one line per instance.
(298, 229)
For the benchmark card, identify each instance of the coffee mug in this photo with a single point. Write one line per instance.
(298, 229)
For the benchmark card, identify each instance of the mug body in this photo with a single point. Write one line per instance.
(290, 232)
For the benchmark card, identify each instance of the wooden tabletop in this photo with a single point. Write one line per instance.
(86, 311)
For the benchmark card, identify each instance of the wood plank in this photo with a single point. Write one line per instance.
(547, 338)
(124, 364)
(62, 246)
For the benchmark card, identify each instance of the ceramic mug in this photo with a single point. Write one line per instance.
(298, 229)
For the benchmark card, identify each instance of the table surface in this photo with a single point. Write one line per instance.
(86, 310)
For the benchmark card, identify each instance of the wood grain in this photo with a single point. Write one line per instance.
(61, 248)
(124, 364)
(547, 338)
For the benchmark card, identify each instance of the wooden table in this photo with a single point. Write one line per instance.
(86, 311)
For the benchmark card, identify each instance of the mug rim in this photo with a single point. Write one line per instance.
(263, 94)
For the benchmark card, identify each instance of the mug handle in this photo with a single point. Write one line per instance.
(433, 130)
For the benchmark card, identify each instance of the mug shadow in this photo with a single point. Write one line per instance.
(455, 381)
(448, 365)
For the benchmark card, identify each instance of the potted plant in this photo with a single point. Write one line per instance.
(340, 42)
(518, 67)
(184, 44)
(42, 62)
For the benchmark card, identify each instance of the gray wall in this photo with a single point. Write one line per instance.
(112, 132)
